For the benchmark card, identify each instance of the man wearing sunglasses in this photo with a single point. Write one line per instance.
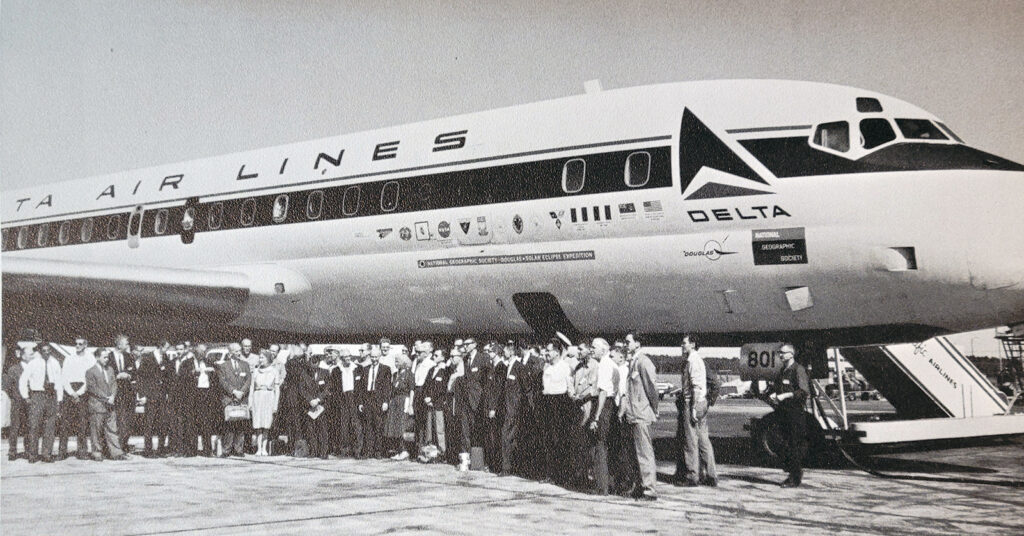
(789, 395)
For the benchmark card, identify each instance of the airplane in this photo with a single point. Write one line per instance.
(742, 210)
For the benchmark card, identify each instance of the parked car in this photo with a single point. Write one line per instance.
(664, 388)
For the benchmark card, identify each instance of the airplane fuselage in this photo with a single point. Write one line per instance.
(724, 208)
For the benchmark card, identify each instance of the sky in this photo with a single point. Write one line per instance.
(89, 88)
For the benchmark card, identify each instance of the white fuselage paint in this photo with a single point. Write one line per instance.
(648, 272)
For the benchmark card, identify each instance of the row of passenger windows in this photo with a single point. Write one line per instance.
(877, 131)
(42, 235)
(636, 173)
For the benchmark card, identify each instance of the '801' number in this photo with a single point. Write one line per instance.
(764, 359)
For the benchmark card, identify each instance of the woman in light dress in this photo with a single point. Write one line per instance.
(263, 396)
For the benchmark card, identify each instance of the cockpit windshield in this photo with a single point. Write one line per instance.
(875, 132)
(920, 129)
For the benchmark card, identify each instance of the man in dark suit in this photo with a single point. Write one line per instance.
(513, 391)
(151, 392)
(235, 380)
(19, 411)
(375, 392)
(174, 408)
(196, 387)
(348, 440)
(472, 414)
(123, 363)
(315, 392)
(101, 389)
(531, 446)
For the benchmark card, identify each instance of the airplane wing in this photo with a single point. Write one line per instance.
(61, 296)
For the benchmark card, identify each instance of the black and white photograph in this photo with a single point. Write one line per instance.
(551, 267)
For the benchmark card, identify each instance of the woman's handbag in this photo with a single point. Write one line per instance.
(236, 412)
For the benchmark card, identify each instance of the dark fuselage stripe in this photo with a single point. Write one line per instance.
(363, 175)
(522, 181)
(767, 129)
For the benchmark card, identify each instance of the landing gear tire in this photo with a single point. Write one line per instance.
(768, 441)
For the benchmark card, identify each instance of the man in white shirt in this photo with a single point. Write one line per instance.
(557, 409)
(42, 387)
(698, 455)
(74, 414)
(600, 421)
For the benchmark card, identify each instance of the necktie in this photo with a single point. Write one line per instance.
(234, 364)
(106, 375)
(373, 376)
(120, 362)
(508, 375)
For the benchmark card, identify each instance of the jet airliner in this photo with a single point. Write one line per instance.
(743, 210)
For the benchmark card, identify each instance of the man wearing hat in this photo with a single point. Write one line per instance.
(789, 394)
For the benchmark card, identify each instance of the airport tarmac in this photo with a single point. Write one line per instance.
(283, 495)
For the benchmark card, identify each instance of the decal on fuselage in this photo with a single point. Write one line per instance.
(779, 246)
(557, 256)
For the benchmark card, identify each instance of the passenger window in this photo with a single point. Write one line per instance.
(638, 169)
(6, 235)
(113, 226)
(248, 214)
(574, 173)
(135, 223)
(23, 237)
(216, 216)
(875, 132)
(315, 205)
(389, 197)
(64, 233)
(920, 129)
(350, 203)
(43, 235)
(86, 232)
(834, 136)
(280, 208)
(160, 222)
(188, 219)
(949, 131)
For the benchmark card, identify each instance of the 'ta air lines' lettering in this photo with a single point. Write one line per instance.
(388, 150)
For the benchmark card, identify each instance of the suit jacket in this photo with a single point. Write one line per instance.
(125, 389)
(150, 377)
(188, 379)
(382, 388)
(494, 396)
(476, 378)
(516, 387)
(436, 386)
(235, 377)
(10, 379)
(98, 389)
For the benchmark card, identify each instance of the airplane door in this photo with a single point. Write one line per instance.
(135, 226)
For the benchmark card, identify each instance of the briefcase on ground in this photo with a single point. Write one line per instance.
(236, 412)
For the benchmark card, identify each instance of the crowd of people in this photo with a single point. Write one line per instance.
(579, 415)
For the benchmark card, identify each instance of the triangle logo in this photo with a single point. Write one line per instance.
(700, 148)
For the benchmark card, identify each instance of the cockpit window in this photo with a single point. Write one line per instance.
(876, 131)
(920, 129)
(947, 130)
(835, 136)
